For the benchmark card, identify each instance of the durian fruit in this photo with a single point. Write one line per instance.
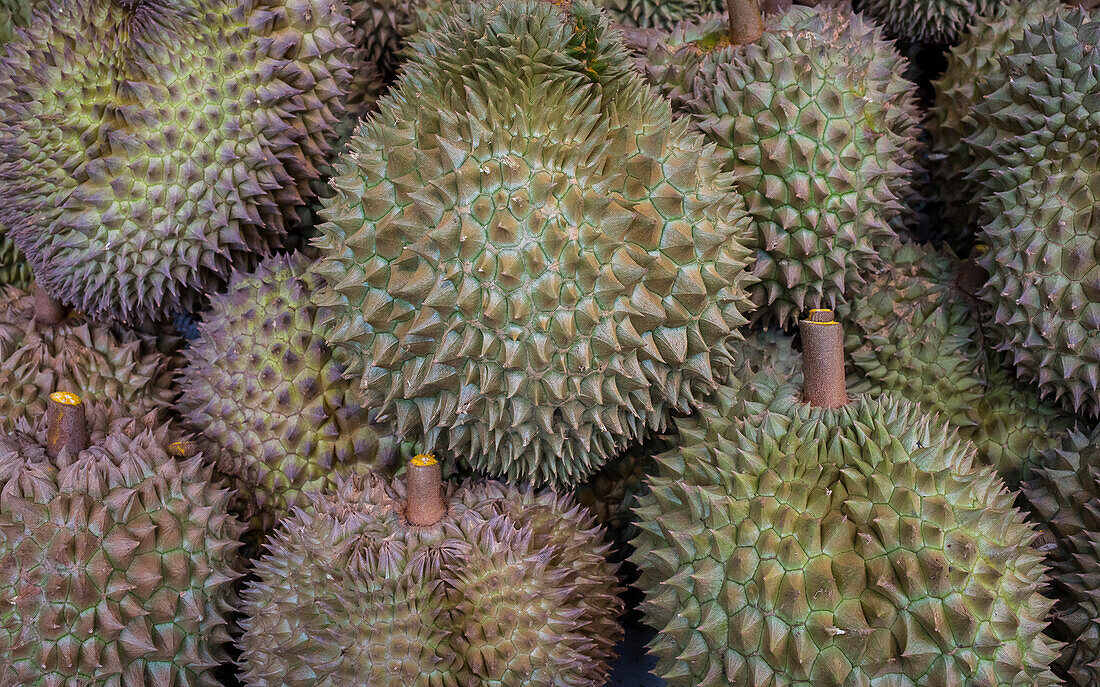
(117, 562)
(1065, 497)
(660, 14)
(929, 21)
(1035, 158)
(268, 397)
(534, 268)
(495, 585)
(43, 350)
(177, 143)
(14, 269)
(820, 129)
(834, 541)
(969, 64)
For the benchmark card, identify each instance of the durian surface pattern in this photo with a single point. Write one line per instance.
(174, 142)
(531, 269)
(117, 565)
(857, 545)
(819, 127)
(511, 588)
(267, 394)
(929, 21)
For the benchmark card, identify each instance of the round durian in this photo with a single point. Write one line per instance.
(117, 562)
(969, 64)
(509, 588)
(531, 269)
(137, 170)
(268, 397)
(108, 367)
(929, 21)
(837, 546)
(1035, 147)
(1065, 497)
(819, 127)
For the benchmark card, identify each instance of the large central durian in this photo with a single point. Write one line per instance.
(148, 147)
(531, 261)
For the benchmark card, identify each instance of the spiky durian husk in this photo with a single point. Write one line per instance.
(532, 269)
(268, 396)
(929, 21)
(510, 588)
(117, 565)
(838, 547)
(1035, 158)
(107, 367)
(136, 173)
(13, 14)
(819, 126)
(968, 65)
(1065, 496)
(14, 270)
(661, 14)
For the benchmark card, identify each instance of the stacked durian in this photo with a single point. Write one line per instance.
(566, 320)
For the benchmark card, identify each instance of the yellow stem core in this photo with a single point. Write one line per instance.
(424, 460)
(65, 398)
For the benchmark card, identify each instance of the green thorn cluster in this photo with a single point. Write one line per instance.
(269, 398)
(930, 21)
(531, 268)
(109, 368)
(1035, 146)
(148, 148)
(511, 588)
(819, 127)
(117, 565)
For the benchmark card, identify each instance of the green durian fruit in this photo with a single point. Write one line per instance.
(138, 170)
(108, 367)
(969, 64)
(660, 14)
(929, 21)
(1065, 497)
(819, 127)
(534, 268)
(117, 564)
(849, 546)
(14, 269)
(511, 588)
(1035, 148)
(268, 396)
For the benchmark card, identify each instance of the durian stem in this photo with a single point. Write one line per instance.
(424, 491)
(47, 309)
(823, 360)
(65, 424)
(183, 449)
(746, 26)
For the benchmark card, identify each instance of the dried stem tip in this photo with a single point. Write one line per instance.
(424, 487)
(47, 309)
(823, 360)
(65, 428)
(746, 25)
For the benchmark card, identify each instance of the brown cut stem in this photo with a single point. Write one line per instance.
(746, 25)
(424, 491)
(823, 360)
(47, 309)
(65, 424)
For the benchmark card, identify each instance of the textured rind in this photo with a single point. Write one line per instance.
(14, 269)
(1035, 146)
(1065, 497)
(969, 64)
(660, 14)
(136, 171)
(117, 565)
(820, 129)
(268, 395)
(532, 269)
(929, 21)
(854, 546)
(110, 368)
(13, 14)
(511, 588)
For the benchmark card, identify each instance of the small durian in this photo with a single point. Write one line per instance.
(413, 584)
(810, 111)
(44, 348)
(117, 561)
(531, 269)
(267, 395)
(836, 540)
